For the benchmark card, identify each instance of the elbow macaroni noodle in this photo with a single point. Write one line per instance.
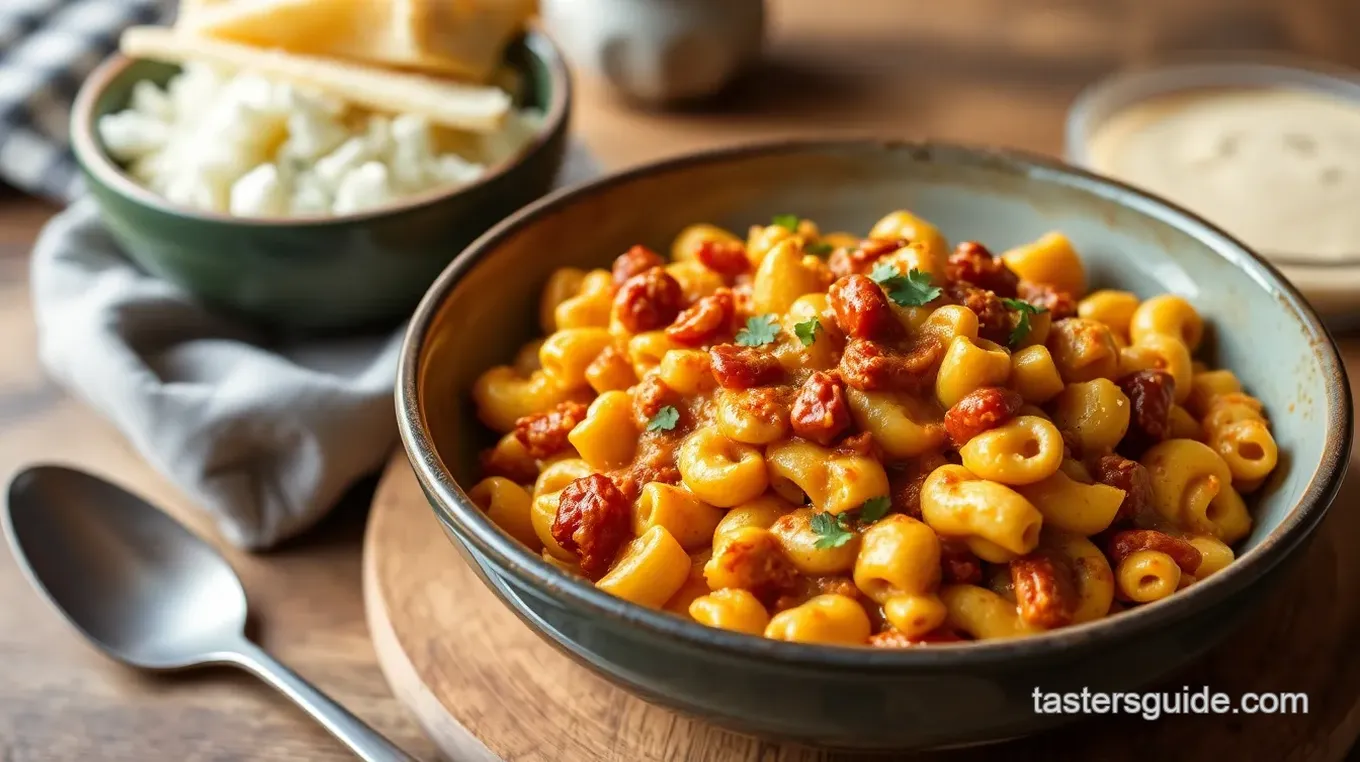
(791, 453)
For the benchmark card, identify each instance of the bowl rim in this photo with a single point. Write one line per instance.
(1185, 73)
(93, 159)
(509, 557)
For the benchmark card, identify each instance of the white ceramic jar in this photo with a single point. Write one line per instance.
(658, 51)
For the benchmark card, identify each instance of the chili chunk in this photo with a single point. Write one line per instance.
(545, 434)
(594, 520)
(980, 410)
(820, 412)
(648, 301)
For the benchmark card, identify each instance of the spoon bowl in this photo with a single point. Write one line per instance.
(137, 583)
(147, 591)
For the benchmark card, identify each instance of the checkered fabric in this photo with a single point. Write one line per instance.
(47, 48)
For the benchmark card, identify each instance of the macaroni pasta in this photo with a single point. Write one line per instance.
(814, 437)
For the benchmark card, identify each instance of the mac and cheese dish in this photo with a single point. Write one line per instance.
(882, 441)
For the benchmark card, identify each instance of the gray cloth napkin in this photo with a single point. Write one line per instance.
(266, 437)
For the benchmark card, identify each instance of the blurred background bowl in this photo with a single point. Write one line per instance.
(659, 52)
(1332, 286)
(367, 269)
(486, 304)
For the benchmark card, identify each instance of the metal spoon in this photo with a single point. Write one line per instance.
(148, 591)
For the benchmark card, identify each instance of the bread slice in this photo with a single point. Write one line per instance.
(458, 105)
(465, 38)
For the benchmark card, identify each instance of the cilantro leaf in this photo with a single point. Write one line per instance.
(787, 221)
(832, 531)
(884, 272)
(874, 509)
(819, 248)
(664, 420)
(1022, 326)
(910, 290)
(835, 531)
(760, 329)
(807, 330)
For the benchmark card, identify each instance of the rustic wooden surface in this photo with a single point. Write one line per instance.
(993, 71)
(484, 686)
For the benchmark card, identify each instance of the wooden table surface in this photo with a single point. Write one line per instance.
(992, 71)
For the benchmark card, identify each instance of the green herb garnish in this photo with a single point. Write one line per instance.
(787, 221)
(884, 272)
(1022, 326)
(807, 330)
(874, 509)
(832, 531)
(910, 290)
(835, 531)
(665, 419)
(760, 329)
(819, 248)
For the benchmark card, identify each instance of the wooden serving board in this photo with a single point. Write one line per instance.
(485, 687)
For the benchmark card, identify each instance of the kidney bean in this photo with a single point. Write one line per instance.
(861, 308)
(654, 462)
(869, 366)
(1129, 541)
(1130, 476)
(844, 262)
(648, 301)
(820, 412)
(593, 520)
(1060, 303)
(980, 410)
(704, 320)
(649, 396)
(757, 563)
(724, 257)
(634, 262)
(1151, 394)
(545, 434)
(738, 367)
(994, 320)
(972, 263)
(1044, 591)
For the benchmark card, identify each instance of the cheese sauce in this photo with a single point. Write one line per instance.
(1278, 168)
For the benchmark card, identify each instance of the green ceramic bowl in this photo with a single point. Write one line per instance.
(481, 309)
(324, 274)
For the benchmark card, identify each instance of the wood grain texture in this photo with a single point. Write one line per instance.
(991, 71)
(485, 686)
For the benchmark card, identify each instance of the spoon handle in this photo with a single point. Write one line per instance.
(364, 741)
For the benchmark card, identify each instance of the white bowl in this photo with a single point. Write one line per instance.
(658, 51)
(1333, 288)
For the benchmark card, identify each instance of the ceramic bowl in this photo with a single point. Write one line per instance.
(328, 273)
(661, 51)
(485, 304)
(1331, 287)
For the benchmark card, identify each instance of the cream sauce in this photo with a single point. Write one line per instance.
(1278, 168)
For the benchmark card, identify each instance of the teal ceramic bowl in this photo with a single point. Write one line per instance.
(485, 305)
(318, 274)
